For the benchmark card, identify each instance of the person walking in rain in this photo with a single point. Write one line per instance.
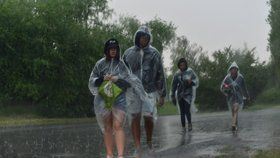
(145, 62)
(183, 87)
(234, 88)
(110, 115)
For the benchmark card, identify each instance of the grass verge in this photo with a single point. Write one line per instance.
(167, 109)
(21, 116)
(275, 153)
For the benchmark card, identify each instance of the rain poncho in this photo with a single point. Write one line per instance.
(182, 90)
(146, 64)
(134, 90)
(101, 68)
(234, 89)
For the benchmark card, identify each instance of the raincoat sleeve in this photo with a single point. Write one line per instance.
(123, 76)
(161, 81)
(195, 80)
(94, 76)
(174, 85)
(244, 88)
(225, 85)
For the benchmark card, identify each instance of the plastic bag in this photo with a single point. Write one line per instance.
(109, 92)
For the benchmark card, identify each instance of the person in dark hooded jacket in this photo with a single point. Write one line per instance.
(145, 62)
(183, 87)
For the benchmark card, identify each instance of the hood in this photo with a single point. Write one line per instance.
(234, 64)
(142, 31)
(111, 43)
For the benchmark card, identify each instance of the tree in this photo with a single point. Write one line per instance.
(163, 33)
(182, 48)
(274, 38)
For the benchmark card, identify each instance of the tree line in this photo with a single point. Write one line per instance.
(49, 47)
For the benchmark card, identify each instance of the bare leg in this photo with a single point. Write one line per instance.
(136, 131)
(108, 134)
(149, 126)
(119, 132)
(235, 114)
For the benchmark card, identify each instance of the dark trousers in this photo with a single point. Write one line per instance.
(185, 112)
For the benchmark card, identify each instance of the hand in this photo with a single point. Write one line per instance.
(249, 99)
(161, 101)
(114, 78)
(174, 100)
(107, 77)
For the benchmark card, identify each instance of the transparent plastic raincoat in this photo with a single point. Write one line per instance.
(181, 90)
(131, 85)
(146, 64)
(234, 89)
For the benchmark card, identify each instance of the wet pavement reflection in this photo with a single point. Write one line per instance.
(211, 137)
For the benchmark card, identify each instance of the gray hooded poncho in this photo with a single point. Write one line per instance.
(234, 88)
(146, 64)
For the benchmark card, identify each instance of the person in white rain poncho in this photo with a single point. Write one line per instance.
(183, 91)
(110, 115)
(234, 88)
(145, 62)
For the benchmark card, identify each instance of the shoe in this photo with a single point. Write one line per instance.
(234, 128)
(108, 156)
(184, 129)
(137, 153)
(189, 127)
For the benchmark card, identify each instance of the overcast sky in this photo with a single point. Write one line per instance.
(213, 24)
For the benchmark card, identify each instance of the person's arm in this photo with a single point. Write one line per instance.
(174, 86)
(244, 89)
(160, 80)
(193, 81)
(224, 86)
(95, 80)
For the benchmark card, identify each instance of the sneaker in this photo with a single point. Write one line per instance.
(189, 127)
(234, 128)
(137, 153)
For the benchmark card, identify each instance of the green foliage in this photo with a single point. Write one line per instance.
(275, 153)
(211, 72)
(47, 52)
(183, 48)
(48, 49)
(274, 38)
(270, 95)
(168, 109)
(163, 33)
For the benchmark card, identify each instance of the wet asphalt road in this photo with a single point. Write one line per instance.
(211, 137)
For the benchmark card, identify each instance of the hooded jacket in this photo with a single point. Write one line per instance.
(183, 88)
(234, 88)
(146, 64)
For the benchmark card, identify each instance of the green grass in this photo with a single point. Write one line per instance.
(20, 121)
(27, 115)
(167, 109)
(262, 106)
(268, 154)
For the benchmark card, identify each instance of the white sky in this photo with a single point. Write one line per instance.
(213, 24)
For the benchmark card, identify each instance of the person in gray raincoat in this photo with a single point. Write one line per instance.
(234, 88)
(111, 120)
(184, 84)
(145, 62)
